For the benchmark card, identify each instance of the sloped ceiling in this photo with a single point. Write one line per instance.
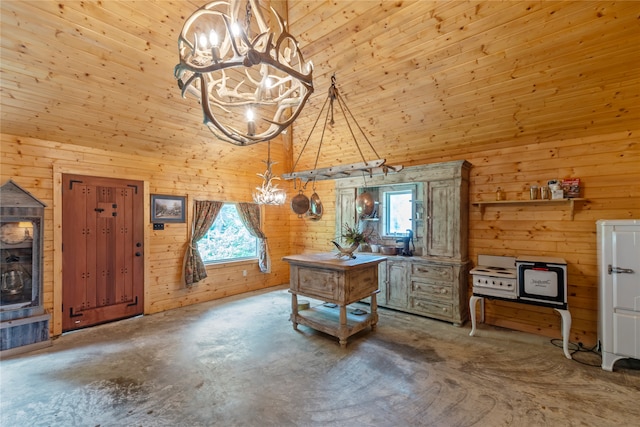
(422, 78)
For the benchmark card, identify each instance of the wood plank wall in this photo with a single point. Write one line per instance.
(33, 164)
(609, 167)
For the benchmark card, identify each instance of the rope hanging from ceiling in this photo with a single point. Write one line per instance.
(371, 167)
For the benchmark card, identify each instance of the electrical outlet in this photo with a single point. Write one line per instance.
(158, 226)
(244, 273)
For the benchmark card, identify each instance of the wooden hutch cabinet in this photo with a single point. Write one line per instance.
(433, 282)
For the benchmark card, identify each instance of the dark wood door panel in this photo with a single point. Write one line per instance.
(103, 270)
(103, 314)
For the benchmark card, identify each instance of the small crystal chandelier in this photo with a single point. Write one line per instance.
(269, 193)
(250, 89)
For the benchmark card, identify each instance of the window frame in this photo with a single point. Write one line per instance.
(385, 215)
(236, 259)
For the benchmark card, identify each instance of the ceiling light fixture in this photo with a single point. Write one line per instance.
(250, 89)
(269, 193)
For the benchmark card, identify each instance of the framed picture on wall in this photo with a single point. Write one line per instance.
(168, 208)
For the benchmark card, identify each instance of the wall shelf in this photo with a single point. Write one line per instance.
(569, 202)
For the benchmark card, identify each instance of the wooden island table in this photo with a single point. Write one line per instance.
(328, 278)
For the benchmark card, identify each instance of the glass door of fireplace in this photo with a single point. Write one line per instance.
(18, 273)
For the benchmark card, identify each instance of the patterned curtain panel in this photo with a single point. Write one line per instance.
(204, 214)
(250, 216)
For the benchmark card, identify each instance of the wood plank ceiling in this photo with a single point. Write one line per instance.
(421, 77)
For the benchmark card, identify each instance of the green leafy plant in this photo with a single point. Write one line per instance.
(352, 235)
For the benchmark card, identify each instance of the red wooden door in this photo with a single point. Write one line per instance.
(102, 252)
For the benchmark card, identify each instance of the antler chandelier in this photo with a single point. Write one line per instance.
(269, 193)
(250, 89)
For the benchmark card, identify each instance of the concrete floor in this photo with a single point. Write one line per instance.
(238, 362)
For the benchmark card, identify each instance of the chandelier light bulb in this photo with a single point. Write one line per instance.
(213, 39)
(235, 29)
(251, 124)
(203, 42)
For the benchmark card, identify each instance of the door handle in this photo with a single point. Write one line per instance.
(618, 270)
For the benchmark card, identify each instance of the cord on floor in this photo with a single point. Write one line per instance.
(579, 348)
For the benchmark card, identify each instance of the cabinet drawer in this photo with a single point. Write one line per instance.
(442, 291)
(315, 282)
(438, 310)
(440, 272)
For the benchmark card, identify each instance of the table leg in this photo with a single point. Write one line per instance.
(374, 311)
(342, 330)
(566, 330)
(294, 311)
(472, 310)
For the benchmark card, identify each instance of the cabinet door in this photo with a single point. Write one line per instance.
(345, 209)
(625, 256)
(382, 283)
(443, 213)
(397, 285)
(626, 334)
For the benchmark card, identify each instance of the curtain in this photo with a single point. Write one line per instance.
(204, 215)
(250, 216)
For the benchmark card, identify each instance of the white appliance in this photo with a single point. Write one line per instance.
(619, 290)
(542, 280)
(495, 276)
(531, 280)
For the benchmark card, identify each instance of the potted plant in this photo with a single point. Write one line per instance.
(353, 237)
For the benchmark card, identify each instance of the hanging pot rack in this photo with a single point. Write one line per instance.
(371, 167)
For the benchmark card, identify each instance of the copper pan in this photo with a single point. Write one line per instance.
(365, 204)
(300, 204)
(315, 208)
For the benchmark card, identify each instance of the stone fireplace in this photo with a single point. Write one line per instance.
(24, 324)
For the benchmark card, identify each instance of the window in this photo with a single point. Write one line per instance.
(228, 239)
(398, 210)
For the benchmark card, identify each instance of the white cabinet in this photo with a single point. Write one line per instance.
(619, 289)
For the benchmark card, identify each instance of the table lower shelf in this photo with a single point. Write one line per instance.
(329, 320)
